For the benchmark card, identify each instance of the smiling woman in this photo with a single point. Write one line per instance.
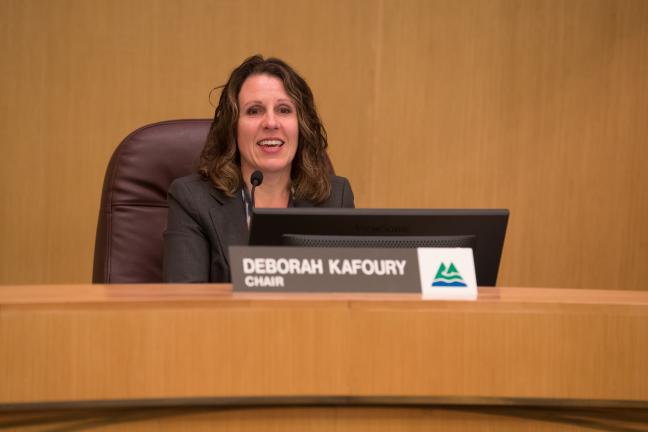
(265, 121)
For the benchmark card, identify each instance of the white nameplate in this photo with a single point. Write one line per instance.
(447, 274)
(439, 273)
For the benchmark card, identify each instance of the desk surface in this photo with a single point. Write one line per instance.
(85, 343)
(86, 293)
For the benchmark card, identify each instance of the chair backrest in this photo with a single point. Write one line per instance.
(133, 213)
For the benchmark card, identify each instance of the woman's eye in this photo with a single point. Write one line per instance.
(285, 109)
(253, 111)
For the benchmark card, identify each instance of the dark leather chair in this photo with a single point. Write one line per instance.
(133, 213)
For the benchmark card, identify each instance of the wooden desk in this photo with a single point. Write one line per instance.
(516, 357)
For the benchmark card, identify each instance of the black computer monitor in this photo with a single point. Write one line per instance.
(481, 230)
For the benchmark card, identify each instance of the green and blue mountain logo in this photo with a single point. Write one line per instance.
(448, 277)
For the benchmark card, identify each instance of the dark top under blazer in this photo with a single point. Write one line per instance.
(203, 222)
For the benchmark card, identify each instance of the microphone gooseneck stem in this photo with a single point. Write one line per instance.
(252, 195)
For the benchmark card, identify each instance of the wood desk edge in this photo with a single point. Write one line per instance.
(162, 293)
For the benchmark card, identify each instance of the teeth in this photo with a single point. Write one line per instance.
(271, 143)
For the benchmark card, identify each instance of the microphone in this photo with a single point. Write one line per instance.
(255, 179)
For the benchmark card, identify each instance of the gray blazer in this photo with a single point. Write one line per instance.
(203, 222)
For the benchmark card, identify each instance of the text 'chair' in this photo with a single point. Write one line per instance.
(133, 212)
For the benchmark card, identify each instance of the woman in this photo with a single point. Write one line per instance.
(265, 120)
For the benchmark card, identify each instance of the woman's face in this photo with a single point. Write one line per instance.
(267, 131)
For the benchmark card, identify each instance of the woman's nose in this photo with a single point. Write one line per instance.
(270, 120)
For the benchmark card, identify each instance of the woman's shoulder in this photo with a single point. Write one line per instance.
(341, 193)
(192, 180)
(195, 186)
(338, 181)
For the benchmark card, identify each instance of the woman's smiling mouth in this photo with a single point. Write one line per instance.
(270, 142)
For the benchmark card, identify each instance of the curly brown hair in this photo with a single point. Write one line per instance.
(220, 160)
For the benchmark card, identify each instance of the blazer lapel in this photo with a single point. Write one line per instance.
(229, 221)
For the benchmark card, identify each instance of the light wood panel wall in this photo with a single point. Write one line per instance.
(537, 106)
